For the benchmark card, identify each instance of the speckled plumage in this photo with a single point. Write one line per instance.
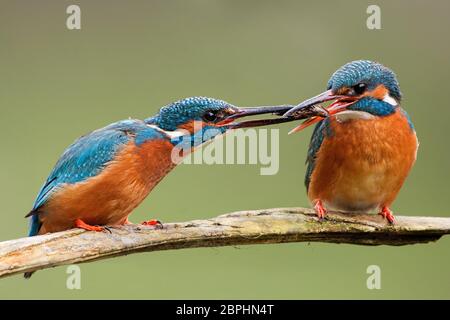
(180, 112)
(365, 71)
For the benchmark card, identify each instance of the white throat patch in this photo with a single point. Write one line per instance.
(346, 115)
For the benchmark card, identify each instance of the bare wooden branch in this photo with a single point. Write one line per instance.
(239, 228)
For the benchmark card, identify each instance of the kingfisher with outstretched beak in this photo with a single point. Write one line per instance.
(105, 174)
(360, 155)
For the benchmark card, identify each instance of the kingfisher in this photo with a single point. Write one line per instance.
(360, 155)
(104, 175)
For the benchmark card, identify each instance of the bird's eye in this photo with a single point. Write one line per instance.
(359, 88)
(210, 116)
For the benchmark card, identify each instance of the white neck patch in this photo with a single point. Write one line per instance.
(169, 134)
(388, 99)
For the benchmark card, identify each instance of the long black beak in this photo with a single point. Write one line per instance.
(323, 97)
(302, 113)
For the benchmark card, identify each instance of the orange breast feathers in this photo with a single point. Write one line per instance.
(364, 163)
(108, 198)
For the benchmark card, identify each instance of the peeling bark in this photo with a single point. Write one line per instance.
(239, 228)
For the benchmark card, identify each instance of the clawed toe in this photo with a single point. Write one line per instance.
(320, 210)
(83, 225)
(156, 223)
(386, 213)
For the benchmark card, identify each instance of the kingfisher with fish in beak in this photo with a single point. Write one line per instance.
(104, 175)
(360, 155)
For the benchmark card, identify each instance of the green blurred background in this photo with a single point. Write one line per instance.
(131, 57)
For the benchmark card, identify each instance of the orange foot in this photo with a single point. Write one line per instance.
(155, 223)
(320, 209)
(387, 214)
(83, 225)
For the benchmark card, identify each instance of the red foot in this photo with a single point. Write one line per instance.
(156, 223)
(320, 209)
(387, 214)
(83, 225)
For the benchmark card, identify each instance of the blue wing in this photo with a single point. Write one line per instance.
(321, 130)
(84, 159)
(87, 156)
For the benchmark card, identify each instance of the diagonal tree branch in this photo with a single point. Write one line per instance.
(239, 228)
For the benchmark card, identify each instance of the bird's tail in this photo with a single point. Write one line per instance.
(35, 225)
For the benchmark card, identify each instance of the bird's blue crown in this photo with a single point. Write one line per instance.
(363, 76)
(367, 72)
(172, 116)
